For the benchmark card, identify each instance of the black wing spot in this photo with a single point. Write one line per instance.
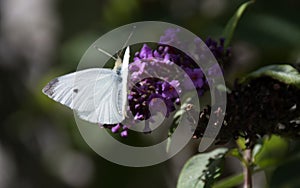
(75, 90)
(48, 89)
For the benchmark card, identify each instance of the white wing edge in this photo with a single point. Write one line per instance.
(124, 73)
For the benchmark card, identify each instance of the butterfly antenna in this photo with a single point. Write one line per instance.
(105, 52)
(126, 42)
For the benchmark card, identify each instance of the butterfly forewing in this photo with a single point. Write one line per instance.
(92, 93)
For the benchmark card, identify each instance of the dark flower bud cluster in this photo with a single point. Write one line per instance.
(261, 107)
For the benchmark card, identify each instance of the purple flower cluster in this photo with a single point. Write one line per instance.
(163, 62)
(150, 72)
(147, 92)
(155, 77)
(198, 79)
(221, 53)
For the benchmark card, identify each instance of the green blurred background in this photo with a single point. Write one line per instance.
(40, 145)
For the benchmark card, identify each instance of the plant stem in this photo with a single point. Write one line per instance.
(247, 168)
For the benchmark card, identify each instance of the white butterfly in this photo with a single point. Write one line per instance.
(98, 95)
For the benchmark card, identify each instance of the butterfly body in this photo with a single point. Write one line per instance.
(98, 95)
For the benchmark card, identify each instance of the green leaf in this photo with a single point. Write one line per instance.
(241, 143)
(283, 73)
(231, 181)
(273, 151)
(202, 169)
(232, 23)
(257, 148)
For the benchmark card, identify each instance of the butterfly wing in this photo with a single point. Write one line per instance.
(124, 75)
(92, 93)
